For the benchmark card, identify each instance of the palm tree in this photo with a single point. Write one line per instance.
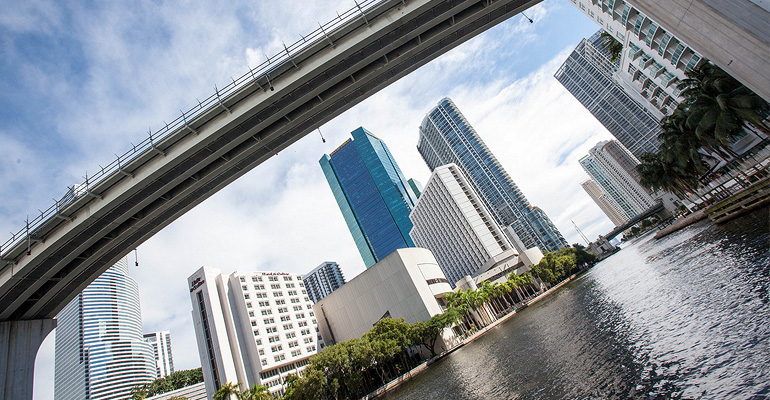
(474, 300)
(720, 106)
(257, 392)
(612, 46)
(456, 301)
(526, 279)
(227, 391)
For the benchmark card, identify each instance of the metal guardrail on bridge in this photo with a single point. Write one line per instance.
(183, 122)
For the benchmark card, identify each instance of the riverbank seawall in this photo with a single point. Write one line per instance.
(680, 223)
(395, 383)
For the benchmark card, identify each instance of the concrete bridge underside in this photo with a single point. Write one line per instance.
(324, 79)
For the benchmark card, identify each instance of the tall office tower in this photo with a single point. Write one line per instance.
(605, 202)
(608, 171)
(447, 137)
(588, 75)
(323, 280)
(161, 347)
(372, 194)
(452, 222)
(253, 328)
(733, 34)
(100, 352)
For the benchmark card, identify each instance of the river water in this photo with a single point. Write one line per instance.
(687, 316)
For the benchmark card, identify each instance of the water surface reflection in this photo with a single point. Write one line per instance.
(686, 316)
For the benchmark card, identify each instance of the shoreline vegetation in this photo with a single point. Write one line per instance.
(393, 350)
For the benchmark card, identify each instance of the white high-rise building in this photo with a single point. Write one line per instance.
(653, 60)
(734, 34)
(447, 137)
(454, 224)
(323, 280)
(251, 327)
(608, 164)
(161, 346)
(605, 202)
(100, 352)
(590, 76)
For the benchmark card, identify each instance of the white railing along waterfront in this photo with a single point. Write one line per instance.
(182, 122)
(728, 183)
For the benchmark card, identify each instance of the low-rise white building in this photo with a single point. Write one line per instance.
(406, 284)
(192, 392)
(253, 327)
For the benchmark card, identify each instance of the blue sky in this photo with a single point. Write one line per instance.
(81, 81)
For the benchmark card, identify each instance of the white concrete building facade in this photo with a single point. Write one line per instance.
(161, 346)
(252, 327)
(452, 222)
(607, 169)
(653, 59)
(605, 202)
(406, 284)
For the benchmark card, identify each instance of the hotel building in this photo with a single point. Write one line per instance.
(454, 224)
(251, 327)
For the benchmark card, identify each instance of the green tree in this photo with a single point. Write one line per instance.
(227, 391)
(428, 332)
(719, 105)
(256, 392)
(176, 380)
(310, 387)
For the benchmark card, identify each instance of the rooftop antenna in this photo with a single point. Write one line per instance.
(580, 232)
(525, 16)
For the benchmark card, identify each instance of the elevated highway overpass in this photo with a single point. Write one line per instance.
(46, 264)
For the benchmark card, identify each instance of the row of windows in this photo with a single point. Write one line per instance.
(272, 278)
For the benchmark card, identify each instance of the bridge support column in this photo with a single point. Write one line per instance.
(19, 343)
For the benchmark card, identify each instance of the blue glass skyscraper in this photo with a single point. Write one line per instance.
(447, 137)
(372, 194)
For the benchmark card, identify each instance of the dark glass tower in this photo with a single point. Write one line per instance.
(372, 194)
(587, 75)
(447, 137)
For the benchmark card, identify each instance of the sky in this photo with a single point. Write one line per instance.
(80, 81)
